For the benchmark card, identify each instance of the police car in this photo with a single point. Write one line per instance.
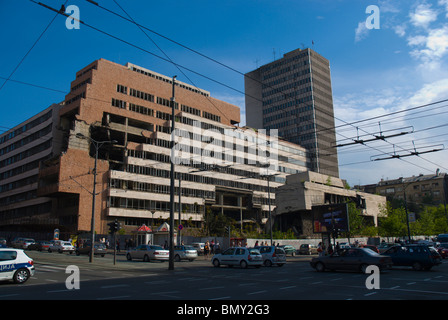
(15, 265)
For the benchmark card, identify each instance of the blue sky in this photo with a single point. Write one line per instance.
(401, 65)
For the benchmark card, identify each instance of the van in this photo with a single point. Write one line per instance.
(442, 237)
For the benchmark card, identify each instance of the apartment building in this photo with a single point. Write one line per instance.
(22, 149)
(419, 189)
(293, 95)
(121, 115)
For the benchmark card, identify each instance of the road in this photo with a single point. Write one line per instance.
(199, 281)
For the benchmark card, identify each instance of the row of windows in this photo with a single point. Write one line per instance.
(149, 74)
(280, 62)
(140, 204)
(26, 127)
(196, 178)
(157, 188)
(25, 154)
(30, 138)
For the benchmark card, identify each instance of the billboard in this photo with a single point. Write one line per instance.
(327, 218)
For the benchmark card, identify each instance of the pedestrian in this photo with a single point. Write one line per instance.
(206, 249)
(118, 245)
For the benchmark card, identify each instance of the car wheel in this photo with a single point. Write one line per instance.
(243, 264)
(417, 266)
(176, 258)
(216, 263)
(146, 258)
(268, 263)
(128, 256)
(21, 276)
(320, 267)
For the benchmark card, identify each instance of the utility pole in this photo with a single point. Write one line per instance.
(171, 249)
(97, 145)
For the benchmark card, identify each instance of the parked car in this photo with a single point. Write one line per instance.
(442, 249)
(371, 247)
(148, 252)
(39, 245)
(238, 256)
(419, 257)
(199, 246)
(61, 246)
(308, 249)
(272, 255)
(355, 259)
(185, 252)
(22, 243)
(385, 245)
(15, 265)
(98, 249)
(289, 250)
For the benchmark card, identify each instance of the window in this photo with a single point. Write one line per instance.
(122, 89)
(119, 103)
(8, 255)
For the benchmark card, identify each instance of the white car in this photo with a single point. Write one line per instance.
(238, 256)
(15, 265)
(185, 253)
(272, 255)
(61, 246)
(148, 252)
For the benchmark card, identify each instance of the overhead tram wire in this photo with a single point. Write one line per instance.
(166, 55)
(30, 49)
(151, 53)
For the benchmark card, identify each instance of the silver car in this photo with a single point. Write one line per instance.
(272, 255)
(238, 256)
(185, 253)
(148, 252)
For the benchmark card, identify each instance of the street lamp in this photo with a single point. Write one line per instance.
(97, 144)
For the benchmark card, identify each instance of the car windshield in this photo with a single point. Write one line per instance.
(189, 248)
(157, 248)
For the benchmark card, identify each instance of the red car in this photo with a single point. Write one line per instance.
(443, 250)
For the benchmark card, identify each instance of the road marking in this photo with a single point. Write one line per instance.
(290, 287)
(409, 283)
(114, 286)
(220, 298)
(257, 292)
(369, 294)
(9, 295)
(110, 298)
(211, 288)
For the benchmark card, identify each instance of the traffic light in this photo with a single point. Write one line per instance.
(114, 226)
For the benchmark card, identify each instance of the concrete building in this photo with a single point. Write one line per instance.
(302, 191)
(421, 189)
(293, 95)
(22, 149)
(220, 167)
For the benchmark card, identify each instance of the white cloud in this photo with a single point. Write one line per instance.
(430, 48)
(423, 16)
(400, 30)
(444, 3)
(361, 31)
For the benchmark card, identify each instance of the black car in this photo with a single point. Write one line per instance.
(419, 257)
(355, 259)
